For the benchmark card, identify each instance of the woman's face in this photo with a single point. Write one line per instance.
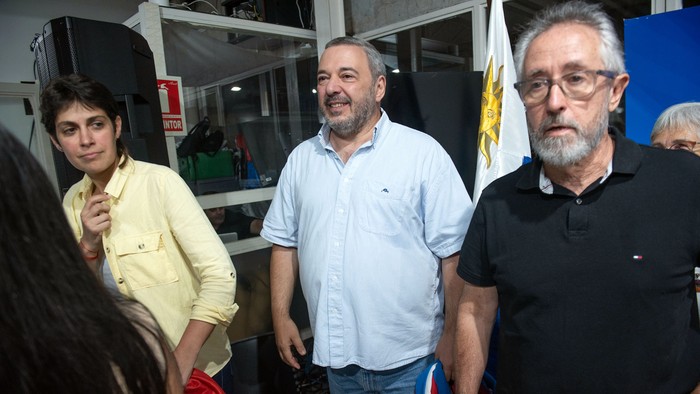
(88, 138)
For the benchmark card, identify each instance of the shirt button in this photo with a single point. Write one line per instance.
(336, 244)
(341, 210)
(579, 201)
(121, 280)
(107, 249)
(141, 246)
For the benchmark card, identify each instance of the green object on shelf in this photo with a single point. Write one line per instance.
(206, 166)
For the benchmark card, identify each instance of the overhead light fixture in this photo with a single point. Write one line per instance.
(236, 89)
(314, 91)
(395, 71)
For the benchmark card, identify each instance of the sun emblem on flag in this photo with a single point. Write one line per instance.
(491, 104)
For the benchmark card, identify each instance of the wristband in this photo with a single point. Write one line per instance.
(95, 254)
(89, 258)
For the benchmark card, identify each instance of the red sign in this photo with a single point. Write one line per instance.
(172, 105)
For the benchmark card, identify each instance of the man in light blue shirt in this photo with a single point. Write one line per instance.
(371, 216)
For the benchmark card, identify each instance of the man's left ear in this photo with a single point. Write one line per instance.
(618, 88)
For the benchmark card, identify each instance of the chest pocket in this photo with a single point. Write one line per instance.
(383, 208)
(144, 261)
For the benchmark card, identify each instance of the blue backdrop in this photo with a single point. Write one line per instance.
(663, 59)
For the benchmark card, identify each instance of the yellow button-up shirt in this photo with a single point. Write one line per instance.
(164, 253)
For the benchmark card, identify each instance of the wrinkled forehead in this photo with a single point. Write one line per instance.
(340, 57)
(563, 48)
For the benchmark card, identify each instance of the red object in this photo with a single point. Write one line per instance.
(201, 383)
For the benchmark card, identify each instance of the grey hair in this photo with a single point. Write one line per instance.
(574, 12)
(679, 116)
(376, 63)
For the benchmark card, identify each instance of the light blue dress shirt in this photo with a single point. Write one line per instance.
(370, 234)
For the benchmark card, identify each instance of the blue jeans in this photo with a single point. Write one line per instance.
(224, 378)
(353, 379)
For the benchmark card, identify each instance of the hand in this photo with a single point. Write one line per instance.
(286, 337)
(444, 353)
(96, 219)
(256, 226)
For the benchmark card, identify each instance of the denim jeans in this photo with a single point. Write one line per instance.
(224, 378)
(353, 379)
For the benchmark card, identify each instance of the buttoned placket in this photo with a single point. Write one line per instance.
(110, 254)
(336, 285)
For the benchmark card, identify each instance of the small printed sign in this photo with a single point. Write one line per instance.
(172, 105)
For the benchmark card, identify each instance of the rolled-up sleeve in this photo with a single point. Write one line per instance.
(203, 250)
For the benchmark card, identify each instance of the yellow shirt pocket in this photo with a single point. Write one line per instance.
(144, 261)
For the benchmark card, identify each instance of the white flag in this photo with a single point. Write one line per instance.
(503, 140)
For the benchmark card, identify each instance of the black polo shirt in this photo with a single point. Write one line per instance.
(596, 291)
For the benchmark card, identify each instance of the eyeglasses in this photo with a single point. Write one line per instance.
(578, 85)
(683, 145)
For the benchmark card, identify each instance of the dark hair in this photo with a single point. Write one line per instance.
(64, 91)
(61, 330)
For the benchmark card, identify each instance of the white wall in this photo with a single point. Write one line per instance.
(19, 21)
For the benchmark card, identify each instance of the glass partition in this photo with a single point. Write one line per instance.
(255, 89)
(255, 83)
(443, 45)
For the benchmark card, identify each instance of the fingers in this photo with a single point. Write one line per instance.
(291, 354)
(447, 369)
(298, 345)
(298, 351)
(96, 219)
(447, 366)
(288, 357)
(289, 343)
(444, 353)
(96, 223)
(97, 204)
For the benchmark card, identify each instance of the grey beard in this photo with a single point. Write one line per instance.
(356, 122)
(347, 127)
(561, 152)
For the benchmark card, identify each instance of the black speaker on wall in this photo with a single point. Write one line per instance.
(119, 58)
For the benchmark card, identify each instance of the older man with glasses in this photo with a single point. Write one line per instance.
(592, 271)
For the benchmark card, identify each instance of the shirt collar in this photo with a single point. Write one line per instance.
(546, 186)
(116, 183)
(379, 129)
(626, 160)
